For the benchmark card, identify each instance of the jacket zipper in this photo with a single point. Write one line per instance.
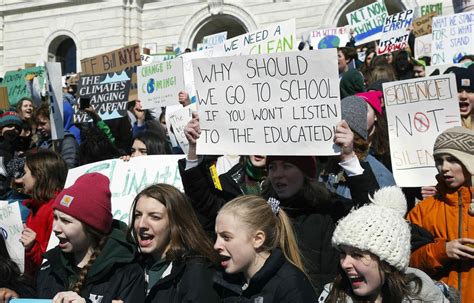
(460, 236)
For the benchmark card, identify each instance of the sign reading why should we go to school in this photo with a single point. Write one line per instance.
(330, 37)
(108, 95)
(453, 37)
(10, 229)
(285, 104)
(418, 110)
(368, 22)
(160, 83)
(395, 32)
(127, 179)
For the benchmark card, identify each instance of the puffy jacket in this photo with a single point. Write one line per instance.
(277, 281)
(446, 217)
(188, 281)
(115, 275)
(40, 221)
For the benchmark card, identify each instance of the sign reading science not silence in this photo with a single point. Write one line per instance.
(285, 104)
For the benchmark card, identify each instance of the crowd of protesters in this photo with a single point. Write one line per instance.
(266, 229)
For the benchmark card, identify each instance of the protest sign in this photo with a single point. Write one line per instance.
(277, 38)
(430, 8)
(453, 37)
(422, 26)
(10, 229)
(330, 37)
(178, 120)
(395, 32)
(146, 59)
(128, 178)
(108, 94)
(28, 82)
(55, 97)
(163, 57)
(285, 104)
(126, 58)
(160, 83)
(215, 39)
(423, 46)
(441, 69)
(368, 21)
(418, 110)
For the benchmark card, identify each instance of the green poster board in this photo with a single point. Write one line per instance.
(28, 82)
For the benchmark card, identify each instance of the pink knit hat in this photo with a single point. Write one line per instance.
(89, 201)
(374, 98)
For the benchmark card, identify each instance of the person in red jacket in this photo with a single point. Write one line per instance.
(45, 175)
(449, 215)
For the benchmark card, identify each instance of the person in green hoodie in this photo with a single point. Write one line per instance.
(93, 261)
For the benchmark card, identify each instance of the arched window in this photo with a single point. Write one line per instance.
(219, 23)
(63, 49)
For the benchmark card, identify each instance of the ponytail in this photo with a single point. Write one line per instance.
(287, 240)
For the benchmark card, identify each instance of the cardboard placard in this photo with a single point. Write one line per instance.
(430, 8)
(285, 104)
(28, 82)
(108, 95)
(55, 94)
(11, 227)
(395, 32)
(368, 21)
(160, 83)
(453, 37)
(423, 46)
(418, 110)
(178, 120)
(330, 37)
(4, 98)
(422, 26)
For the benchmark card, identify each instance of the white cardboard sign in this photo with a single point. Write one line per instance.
(10, 229)
(418, 110)
(273, 104)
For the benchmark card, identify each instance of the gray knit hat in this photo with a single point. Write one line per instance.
(379, 228)
(458, 142)
(354, 111)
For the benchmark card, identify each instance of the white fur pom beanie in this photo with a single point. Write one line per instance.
(379, 228)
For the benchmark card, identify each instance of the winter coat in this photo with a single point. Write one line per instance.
(446, 217)
(67, 147)
(185, 281)
(277, 281)
(207, 199)
(429, 292)
(115, 275)
(40, 220)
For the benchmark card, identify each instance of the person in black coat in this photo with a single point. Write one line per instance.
(259, 255)
(177, 256)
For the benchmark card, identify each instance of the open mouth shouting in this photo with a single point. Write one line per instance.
(224, 261)
(145, 239)
(464, 107)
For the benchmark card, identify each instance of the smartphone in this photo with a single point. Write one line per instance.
(84, 102)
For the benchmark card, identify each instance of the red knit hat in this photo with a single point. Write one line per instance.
(307, 164)
(88, 200)
(374, 98)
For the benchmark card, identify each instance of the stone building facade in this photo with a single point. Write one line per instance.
(68, 30)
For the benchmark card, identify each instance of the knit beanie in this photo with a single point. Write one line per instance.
(374, 98)
(354, 111)
(88, 200)
(464, 77)
(378, 228)
(352, 82)
(459, 142)
(10, 118)
(307, 164)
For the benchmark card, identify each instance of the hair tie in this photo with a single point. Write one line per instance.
(274, 205)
